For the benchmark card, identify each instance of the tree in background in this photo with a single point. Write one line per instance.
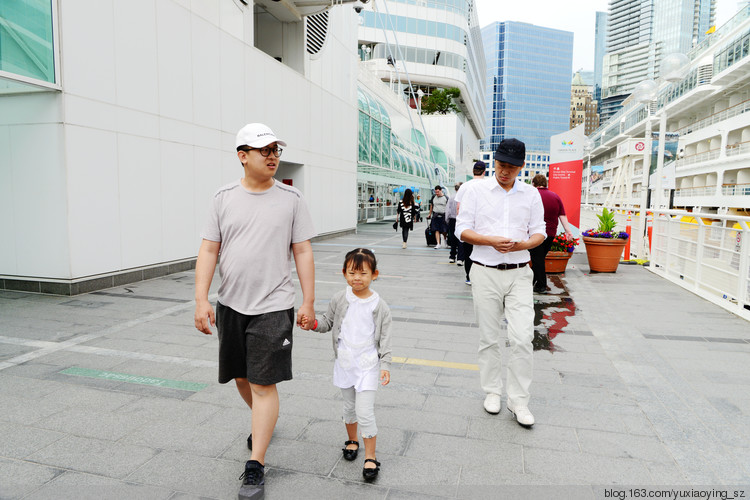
(441, 101)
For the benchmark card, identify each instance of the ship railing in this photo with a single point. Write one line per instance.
(735, 189)
(696, 191)
(707, 254)
(698, 158)
(716, 117)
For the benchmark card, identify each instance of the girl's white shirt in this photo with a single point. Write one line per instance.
(357, 364)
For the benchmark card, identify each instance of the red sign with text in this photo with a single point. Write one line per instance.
(565, 180)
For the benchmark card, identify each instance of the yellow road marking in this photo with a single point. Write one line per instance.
(429, 362)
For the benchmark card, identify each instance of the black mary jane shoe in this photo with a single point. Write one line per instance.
(350, 454)
(370, 474)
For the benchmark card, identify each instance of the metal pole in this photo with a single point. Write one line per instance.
(658, 191)
(644, 181)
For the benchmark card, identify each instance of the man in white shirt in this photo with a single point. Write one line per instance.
(503, 218)
(466, 248)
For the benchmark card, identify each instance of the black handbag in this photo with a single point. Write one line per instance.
(395, 225)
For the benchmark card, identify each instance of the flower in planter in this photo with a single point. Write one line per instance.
(562, 243)
(606, 227)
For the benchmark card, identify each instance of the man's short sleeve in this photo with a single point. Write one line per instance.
(211, 230)
(302, 227)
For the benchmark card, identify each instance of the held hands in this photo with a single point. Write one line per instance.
(385, 377)
(307, 322)
(505, 245)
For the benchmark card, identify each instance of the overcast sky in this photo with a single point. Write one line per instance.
(578, 17)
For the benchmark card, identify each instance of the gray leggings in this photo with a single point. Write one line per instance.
(359, 407)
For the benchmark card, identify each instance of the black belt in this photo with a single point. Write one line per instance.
(503, 267)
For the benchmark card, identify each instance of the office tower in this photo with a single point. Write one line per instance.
(528, 86)
(639, 34)
(600, 39)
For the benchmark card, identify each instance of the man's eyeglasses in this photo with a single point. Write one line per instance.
(265, 151)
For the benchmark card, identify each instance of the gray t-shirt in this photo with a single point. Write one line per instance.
(256, 231)
(439, 204)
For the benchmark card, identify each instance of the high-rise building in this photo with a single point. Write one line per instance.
(639, 34)
(528, 87)
(600, 39)
(582, 105)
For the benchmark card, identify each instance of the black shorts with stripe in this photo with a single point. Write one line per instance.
(256, 347)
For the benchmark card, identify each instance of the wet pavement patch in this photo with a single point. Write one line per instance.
(134, 379)
(551, 313)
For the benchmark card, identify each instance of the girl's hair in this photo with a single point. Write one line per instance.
(408, 198)
(358, 258)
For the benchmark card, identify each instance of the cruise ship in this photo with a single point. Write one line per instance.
(699, 199)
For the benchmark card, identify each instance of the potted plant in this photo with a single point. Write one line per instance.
(604, 245)
(557, 258)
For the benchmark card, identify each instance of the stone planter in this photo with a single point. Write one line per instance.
(604, 254)
(556, 262)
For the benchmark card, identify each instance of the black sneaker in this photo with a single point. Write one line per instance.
(254, 473)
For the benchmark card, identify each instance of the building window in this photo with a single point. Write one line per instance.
(27, 46)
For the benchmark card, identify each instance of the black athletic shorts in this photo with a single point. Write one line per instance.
(256, 347)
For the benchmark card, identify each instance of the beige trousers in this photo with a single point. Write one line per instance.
(509, 293)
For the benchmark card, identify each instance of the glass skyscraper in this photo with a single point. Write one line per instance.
(528, 83)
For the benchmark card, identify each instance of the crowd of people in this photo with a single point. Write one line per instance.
(258, 223)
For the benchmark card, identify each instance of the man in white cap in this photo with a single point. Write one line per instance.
(258, 223)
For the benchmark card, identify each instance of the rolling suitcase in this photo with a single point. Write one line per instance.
(429, 236)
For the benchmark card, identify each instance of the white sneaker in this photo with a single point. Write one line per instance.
(403, 245)
(492, 404)
(438, 247)
(459, 263)
(522, 414)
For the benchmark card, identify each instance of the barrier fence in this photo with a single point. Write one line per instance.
(708, 254)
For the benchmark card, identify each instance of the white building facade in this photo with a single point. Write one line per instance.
(108, 165)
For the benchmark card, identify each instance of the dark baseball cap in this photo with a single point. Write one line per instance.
(480, 165)
(511, 151)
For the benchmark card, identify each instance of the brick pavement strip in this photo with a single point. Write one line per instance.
(647, 385)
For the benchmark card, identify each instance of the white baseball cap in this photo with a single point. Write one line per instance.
(256, 135)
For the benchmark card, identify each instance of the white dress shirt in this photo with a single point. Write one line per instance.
(489, 210)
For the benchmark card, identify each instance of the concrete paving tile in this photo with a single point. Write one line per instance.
(417, 421)
(26, 411)
(21, 440)
(312, 407)
(149, 408)
(463, 406)
(321, 388)
(465, 451)
(194, 475)
(413, 375)
(504, 429)
(582, 468)
(27, 388)
(302, 456)
(86, 422)
(400, 396)
(424, 476)
(201, 440)
(96, 456)
(18, 478)
(623, 445)
(85, 397)
(666, 473)
(90, 487)
(286, 484)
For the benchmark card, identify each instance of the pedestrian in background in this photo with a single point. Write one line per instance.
(438, 206)
(554, 211)
(466, 247)
(257, 223)
(503, 218)
(360, 325)
(407, 213)
(450, 214)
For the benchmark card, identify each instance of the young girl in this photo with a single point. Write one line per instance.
(407, 213)
(360, 323)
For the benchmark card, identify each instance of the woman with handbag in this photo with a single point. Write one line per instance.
(407, 213)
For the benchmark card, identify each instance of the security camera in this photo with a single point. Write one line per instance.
(358, 9)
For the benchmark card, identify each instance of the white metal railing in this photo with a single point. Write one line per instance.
(696, 191)
(735, 189)
(697, 158)
(717, 117)
(738, 149)
(371, 211)
(707, 254)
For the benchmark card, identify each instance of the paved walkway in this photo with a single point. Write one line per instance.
(637, 383)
